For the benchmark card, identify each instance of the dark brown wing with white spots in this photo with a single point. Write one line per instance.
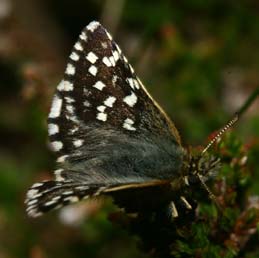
(105, 128)
(101, 88)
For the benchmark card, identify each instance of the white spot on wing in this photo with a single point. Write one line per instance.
(109, 101)
(99, 85)
(72, 118)
(109, 35)
(78, 143)
(58, 175)
(32, 202)
(129, 121)
(128, 124)
(32, 212)
(74, 56)
(92, 26)
(131, 82)
(131, 69)
(65, 86)
(131, 99)
(118, 48)
(73, 130)
(104, 44)
(91, 57)
(87, 92)
(82, 187)
(102, 116)
(70, 70)
(92, 70)
(31, 193)
(70, 109)
(53, 201)
(136, 83)
(125, 60)
(83, 36)
(37, 185)
(62, 158)
(115, 55)
(101, 108)
(78, 46)
(57, 145)
(69, 100)
(71, 199)
(107, 62)
(55, 107)
(87, 103)
(114, 80)
(69, 192)
(53, 129)
(112, 60)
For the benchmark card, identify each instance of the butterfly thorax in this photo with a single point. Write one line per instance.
(198, 167)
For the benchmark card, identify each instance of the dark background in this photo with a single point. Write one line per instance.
(199, 59)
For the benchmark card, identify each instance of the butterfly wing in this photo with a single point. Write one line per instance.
(103, 124)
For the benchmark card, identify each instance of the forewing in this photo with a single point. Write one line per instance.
(100, 89)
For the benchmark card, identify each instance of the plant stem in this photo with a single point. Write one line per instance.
(248, 102)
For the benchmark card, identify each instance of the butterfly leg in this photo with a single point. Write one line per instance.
(179, 206)
(173, 210)
(185, 203)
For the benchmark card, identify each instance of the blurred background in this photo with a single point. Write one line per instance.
(199, 59)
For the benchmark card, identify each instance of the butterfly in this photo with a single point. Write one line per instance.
(112, 138)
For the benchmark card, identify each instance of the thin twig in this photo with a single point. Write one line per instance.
(248, 102)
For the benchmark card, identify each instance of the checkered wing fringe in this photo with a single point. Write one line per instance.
(48, 195)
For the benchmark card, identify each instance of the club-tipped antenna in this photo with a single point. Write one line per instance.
(243, 108)
(221, 132)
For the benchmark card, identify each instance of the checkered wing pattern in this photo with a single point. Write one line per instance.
(104, 126)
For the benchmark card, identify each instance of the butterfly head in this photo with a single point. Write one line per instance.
(201, 166)
(198, 169)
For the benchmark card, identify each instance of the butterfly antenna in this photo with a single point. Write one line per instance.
(221, 132)
(242, 110)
